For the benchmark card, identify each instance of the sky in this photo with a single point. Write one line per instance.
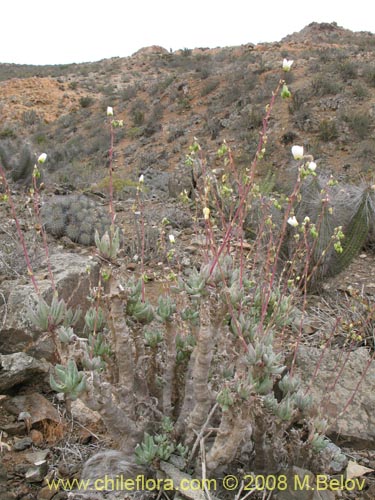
(74, 31)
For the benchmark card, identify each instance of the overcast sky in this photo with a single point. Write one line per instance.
(66, 31)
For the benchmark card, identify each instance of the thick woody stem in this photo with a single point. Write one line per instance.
(123, 429)
(260, 447)
(124, 351)
(234, 428)
(188, 402)
(202, 393)
(169, 370)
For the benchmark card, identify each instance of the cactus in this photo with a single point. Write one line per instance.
(56, 223)
(23, 171)
(73, 231)
(334, 208)
(85, 239)
(355, 232)
(4, 158)
(77, 217)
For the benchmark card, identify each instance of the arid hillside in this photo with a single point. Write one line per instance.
(166, 99)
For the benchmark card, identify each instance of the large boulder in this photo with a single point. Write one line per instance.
(18, 368)
(343, 390)
(73, 275)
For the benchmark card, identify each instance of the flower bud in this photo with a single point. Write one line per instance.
(42, 158)
(109, 111)
(206, 213)
(312, 166)
(292, 221)
(285, 92)
(287, 65)
(297, 152)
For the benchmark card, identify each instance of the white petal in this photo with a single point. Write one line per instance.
(312, 166)
(297, 152)
(42, 158)
(292, 221)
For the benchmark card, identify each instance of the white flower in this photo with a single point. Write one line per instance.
(287, 64)
(42, 158)
(109, 111)
(171, 238)
(312, 166)
(141, 179)
(297, 152)
(206, 213)
(293, 221)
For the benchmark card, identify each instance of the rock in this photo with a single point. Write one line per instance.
(180, 181)
(301, 485)
(37, 456)
(18, 368)
(83, 414)
(85, 436)
(199, 241)
(22, 444)
(37, 437)
(338, 379)
(37, 473)
(73, 284)
(46, 493)
(63, 495)
(14, 428)
(36, 405)
(3, 474)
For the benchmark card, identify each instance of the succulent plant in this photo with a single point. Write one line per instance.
(98, 345)
(94, 364)
(22, 172)
(66, 334)
(166, 308)
(56, 223)
(69, 380)
(109, 244)
(142, 312)
(85, 239)
(158, 446)
(72, 231)
(94, 319)
(49, 317)
(153, 338)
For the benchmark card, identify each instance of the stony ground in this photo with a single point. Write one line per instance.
(67, 442)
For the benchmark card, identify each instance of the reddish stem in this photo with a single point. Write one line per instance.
(36, 200)
(110, 152)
